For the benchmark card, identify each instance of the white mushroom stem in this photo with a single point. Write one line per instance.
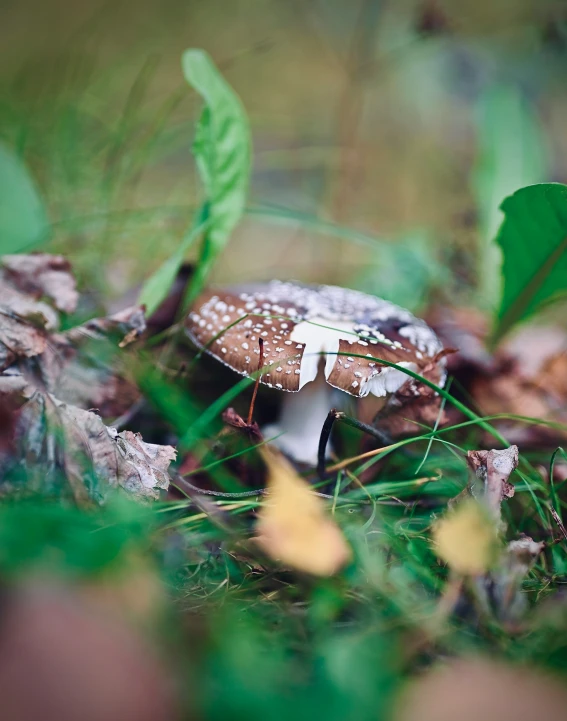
(304, 412)
(302, 417)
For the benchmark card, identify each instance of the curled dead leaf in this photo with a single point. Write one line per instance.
(471, 544)
(293, 527)
(40, 275)
(492, 470)
(33, 288)
(119, 459)
(90, 449)
(19, 338)
(127, 325)
(53, 429)
(71, 375)
(143, 470)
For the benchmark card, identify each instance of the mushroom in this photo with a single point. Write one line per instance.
(313, 339)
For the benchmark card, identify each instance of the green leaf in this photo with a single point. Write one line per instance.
(222, 150)
(511, 155)
(533, 239)
(23, 221)
(222, 153)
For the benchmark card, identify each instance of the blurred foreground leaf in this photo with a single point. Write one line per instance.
(23, 221)
(533, 238)
(292, 525)
(466, 539)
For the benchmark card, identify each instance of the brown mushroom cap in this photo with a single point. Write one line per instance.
(299, 324)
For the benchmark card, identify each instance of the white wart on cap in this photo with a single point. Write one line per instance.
(301, 324)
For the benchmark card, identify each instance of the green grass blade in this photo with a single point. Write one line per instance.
(157, 286)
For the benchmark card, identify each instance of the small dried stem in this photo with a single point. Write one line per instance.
(323, 440)
(335, 415)
(255, 392)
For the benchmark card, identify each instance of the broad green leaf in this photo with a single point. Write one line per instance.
(511, 155)
(222, 153)
(533, 239)
(222, 149)
(23, 221)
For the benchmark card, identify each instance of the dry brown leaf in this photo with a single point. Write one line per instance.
(14, 386)
(40, 275)
(19, 338)
(52, 426)
(118, 459)
(18, 305)
(27, 284)
(127, 325)
(467, 537)
(525, 377)
(48, 429)
(293, 527)
(144, 468)
(72, 377)
(470, 542)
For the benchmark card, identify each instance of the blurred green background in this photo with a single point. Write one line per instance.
(386, 132)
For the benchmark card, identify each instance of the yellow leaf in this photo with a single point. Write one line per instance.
(293, 527)
(466, 539)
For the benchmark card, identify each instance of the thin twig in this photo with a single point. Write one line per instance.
(255, 392)
(364, 427)
(182, 483)
(323, 441)
(335, 415)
